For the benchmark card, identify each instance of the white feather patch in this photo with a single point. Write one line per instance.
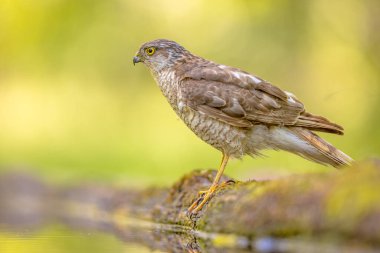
(278, 138)
(285, 139)
(242, 75)
(181, 105)
(291, 96)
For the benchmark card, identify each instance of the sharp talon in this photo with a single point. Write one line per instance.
(193, 216)
(200, 193)
(201, 201)
(190, 210)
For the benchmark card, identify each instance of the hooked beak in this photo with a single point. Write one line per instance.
(136, 59)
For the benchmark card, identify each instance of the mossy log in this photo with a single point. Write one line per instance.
(343, 205)
(345, 202)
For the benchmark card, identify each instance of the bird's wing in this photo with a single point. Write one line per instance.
(234, 76)
(240, 99)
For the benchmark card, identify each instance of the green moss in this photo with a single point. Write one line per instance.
(354, 194)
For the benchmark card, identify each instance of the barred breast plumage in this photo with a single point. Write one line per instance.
(218, 134)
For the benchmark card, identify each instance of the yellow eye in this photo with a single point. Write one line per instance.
(150, 50)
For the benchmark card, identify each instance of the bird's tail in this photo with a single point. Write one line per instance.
(326, 153)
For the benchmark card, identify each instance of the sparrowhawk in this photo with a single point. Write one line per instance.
(234, 111)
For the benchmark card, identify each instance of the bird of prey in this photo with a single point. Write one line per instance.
(234, 111)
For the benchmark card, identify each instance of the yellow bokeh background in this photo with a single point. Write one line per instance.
(73, 106)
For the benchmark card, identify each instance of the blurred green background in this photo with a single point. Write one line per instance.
(73, 107)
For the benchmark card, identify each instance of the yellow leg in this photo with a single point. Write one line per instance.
(195, 207)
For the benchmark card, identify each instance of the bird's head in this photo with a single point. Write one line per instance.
(160, 54)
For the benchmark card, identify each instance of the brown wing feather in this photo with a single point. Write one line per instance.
(235, 105)
(318, 123)
(217, 73)
(240, 99)
(218, 114)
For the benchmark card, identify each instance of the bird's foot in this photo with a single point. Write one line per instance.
(204, 197)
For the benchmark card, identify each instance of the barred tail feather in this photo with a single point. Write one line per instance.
(328, 153)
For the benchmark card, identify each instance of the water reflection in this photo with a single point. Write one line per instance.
(30, 212)
(38, 218)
